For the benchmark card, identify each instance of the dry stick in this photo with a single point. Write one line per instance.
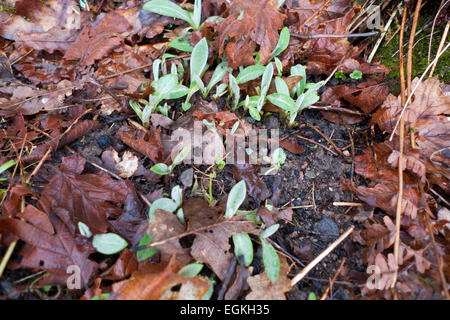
(383, 34)
(319, 258)
(41, 162)
(432, 28)
(441, 45)
(348, 204)
(325, 294)
(402, 137)
(440, 197)
(333, 35)
(415, 88)
(363, 12)
(316, 143)
(227, 280)
(338, 109)
(285, 253)
(409, 63)
(326, 138)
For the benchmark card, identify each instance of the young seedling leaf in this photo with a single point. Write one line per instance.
(281, 86)
(177, 195)
(84, 230)
(243, 246)
(356, 75)
(283, 101)
(181, 43)
(164, 204)
(283, 42)
(199, 57)
(191, 270)
(266, 79)
(250, 73)
(235, 198)
(168, 8)
(270, 259)
(109, 243)
(161, 168)
(181, 156)
(146, 253)
(269, 231)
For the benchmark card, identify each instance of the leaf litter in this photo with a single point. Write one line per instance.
(71, 75)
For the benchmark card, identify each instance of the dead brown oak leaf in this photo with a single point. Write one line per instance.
(154, 282)
(50, 245)
(261, 288)
(49, 26)
(89, 198)
(147, 143)
(427, 116)
(212, 245)
(248, 23)
(97, 41)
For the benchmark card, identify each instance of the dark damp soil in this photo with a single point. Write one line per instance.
(309, 182)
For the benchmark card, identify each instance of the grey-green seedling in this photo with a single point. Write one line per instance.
(166, 87)
(198, 66)
(170, 9)
(164, 169)
(306, 95)
(109, 243)
(5, 166)
(278, 159)
(243, 246)
(254, 104)
(171, 205)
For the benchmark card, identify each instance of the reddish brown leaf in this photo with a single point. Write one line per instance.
(256, 188)
(292, 146)
(148, 144)
(259, 24)
(153, 282)
(95, 42)
(47, 251)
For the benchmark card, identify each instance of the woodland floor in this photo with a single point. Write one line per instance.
(309, 182)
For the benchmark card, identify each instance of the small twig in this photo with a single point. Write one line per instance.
(432, 28)
(41, 162)
(348, 204)
(319, 258)
(319, 10)
(316, 143)
(326, 138)
(383, 34)
(436, 253)
(402, 137)
(441, 45)
(287, 254)
(228, 276)
(344, 35)
(440, 197)
(325, 294)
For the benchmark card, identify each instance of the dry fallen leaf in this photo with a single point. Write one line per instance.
(261, 288)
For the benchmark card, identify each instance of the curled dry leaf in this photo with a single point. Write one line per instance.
(51, 245)
(27, 100)
(261, 288)
(164, 225)
(249, 23)
(154, 282)
(49, 26)
(212, 245)
(147, 143)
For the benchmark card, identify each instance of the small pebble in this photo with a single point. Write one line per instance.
(187, 177)
(104, 141)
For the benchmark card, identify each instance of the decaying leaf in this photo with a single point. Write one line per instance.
(154, 282)
(249, 23)
(263, 289)
(212, 245)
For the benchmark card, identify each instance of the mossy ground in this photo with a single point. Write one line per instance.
(390, 58)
